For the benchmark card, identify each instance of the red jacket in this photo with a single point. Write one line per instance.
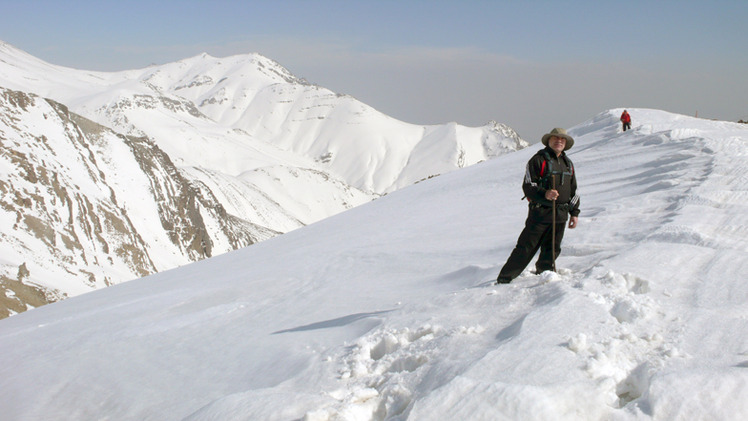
(625, 117)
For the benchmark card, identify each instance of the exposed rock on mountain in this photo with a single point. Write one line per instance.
(85, 207)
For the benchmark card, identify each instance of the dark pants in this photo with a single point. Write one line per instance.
(536, 235)
(626, 126)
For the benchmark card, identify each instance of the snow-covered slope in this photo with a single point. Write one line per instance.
(387, 311)
(191, 159)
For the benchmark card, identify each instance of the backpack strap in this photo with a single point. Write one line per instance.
(569, 164)
(547, 160)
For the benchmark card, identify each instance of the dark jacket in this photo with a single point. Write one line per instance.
(538, 180)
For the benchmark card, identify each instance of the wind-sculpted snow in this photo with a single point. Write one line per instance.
(389, 311)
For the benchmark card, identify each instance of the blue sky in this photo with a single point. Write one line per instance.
(531, 64)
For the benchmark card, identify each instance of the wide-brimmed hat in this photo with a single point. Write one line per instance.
(560, 133)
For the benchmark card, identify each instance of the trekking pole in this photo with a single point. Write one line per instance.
(553, 225)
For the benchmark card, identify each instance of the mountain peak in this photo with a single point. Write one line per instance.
(195, 158)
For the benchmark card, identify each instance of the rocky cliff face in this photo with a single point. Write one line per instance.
(84, 207)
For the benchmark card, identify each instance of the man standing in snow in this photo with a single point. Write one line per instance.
(626, 120)
(549, 181)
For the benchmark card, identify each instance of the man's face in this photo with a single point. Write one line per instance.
(558, 144)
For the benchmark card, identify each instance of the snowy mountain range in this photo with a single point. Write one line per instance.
(108, 177)
(388, 311)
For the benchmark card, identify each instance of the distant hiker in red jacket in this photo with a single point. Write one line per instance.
(626, 120)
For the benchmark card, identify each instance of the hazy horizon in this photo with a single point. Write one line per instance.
(532, 66)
